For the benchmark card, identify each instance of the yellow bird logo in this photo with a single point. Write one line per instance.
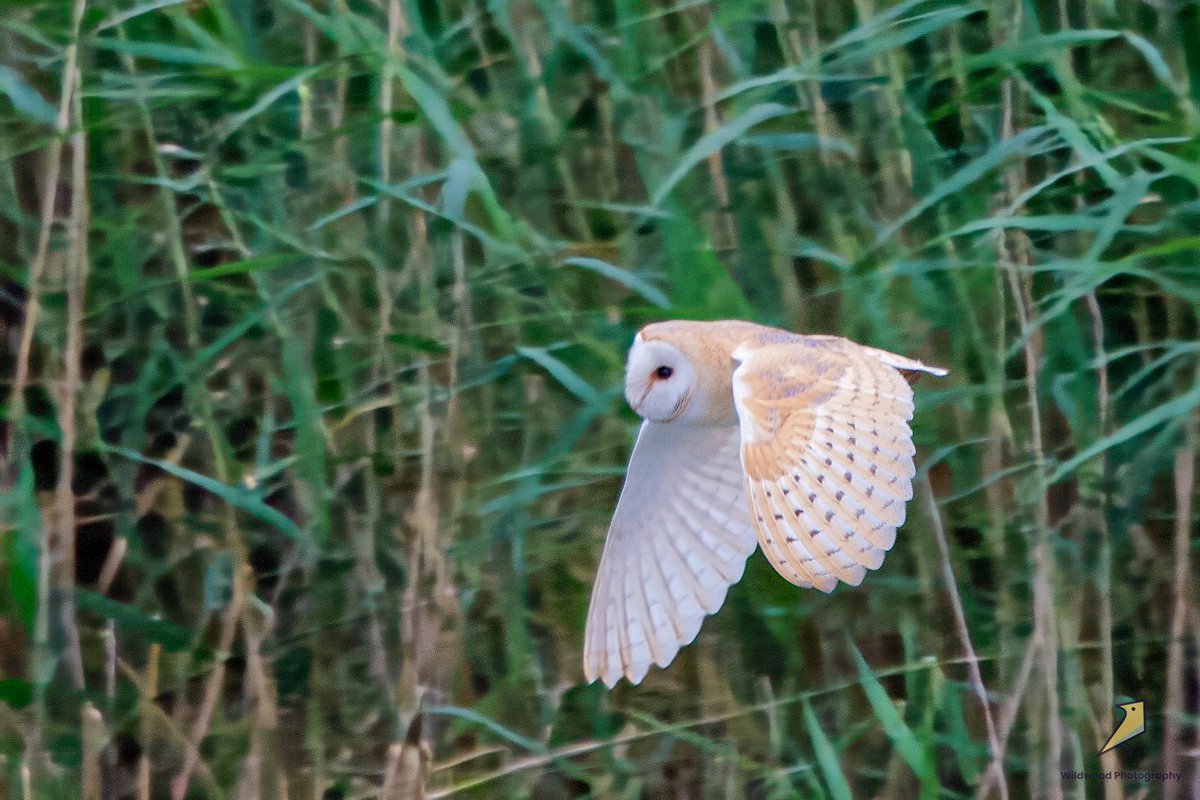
(1133, 724)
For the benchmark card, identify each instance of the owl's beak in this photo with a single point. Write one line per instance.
(638, 405)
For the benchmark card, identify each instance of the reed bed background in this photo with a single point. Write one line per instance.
(314, 314)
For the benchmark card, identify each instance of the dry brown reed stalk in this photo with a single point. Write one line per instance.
(47, 560)
(794, 301)
(93, 739)
(149, 689)
(527, 47)
(397, 29)
(428, 564)
(976, 683)
(411, 613)
(63, 547)
(1015, 258)
(1194, 751)
(112, 563)
(262, 771)
(457, 442)
(146, 499)
(1113, 790)
(724, 231)
(805, 38)
(1103, 720)
(213, 685)
(363, 529)
(153, 720)
(1001, 438)
(781, 229)
(712, 121)
(1176, 710)
(109, 637)
(1008, 718)
(407, 765)
(897, 171)
(529, 762)
(407, 693)
(53, 168)
(1045, 626)
(421, 614)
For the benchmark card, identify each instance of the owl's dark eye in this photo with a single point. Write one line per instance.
(664, 372)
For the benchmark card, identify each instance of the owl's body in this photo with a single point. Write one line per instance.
(753, 436)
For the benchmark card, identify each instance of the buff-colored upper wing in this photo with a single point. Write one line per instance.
(827, 454)
(679, 538)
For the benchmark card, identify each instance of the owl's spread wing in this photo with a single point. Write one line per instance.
(827, 454)
(679, 538)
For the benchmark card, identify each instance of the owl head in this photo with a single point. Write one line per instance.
(659, 379)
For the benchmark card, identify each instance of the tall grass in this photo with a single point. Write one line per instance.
(314, 314)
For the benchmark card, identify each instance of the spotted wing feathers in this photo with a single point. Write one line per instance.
(827, 454)
(679, 538)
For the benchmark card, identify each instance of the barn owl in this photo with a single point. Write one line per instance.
(751, 435)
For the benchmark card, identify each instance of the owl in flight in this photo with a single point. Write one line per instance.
(752, 435)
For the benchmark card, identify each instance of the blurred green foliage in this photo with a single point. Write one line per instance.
(314, 315)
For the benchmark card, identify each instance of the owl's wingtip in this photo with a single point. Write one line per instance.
(913, 373)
